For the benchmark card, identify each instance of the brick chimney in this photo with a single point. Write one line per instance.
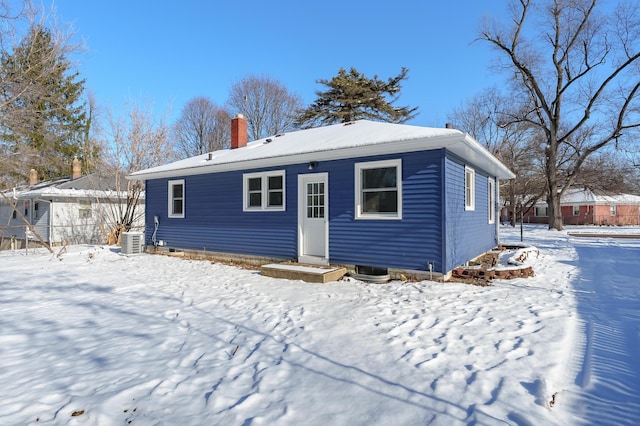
(76, 170)
(239, 134)
(33, 177)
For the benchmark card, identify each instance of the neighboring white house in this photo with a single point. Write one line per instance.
(74, 210)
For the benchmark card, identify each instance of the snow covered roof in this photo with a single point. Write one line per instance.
(574, 196)
(348, 140)
(92, 186)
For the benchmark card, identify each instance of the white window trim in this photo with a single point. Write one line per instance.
(265, 191)
(170, 186)
(613, 210)
(397, 163)
(576, 210)
(492, 198)
(470, 205)
(535, 211)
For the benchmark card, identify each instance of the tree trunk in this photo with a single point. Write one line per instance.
(553, 198)
(512, 204)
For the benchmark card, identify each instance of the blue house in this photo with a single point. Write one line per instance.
(363, 193)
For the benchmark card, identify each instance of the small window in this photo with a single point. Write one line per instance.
(378, 190)
(469, 188)
(275, 191)
(613, 210)
(492, 200)
(264, 191)
(85, 208)
(255, 192)
(541, 211)
(36, 207)
(576, 210)
(15, 214)
(176, 198)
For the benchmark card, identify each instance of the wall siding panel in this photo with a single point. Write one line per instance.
(214, 219)
(410, 243)
(469, 233)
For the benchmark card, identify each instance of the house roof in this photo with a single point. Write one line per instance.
(348, 140)
(92, 185)
(586, 196)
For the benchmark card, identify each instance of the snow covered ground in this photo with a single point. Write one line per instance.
(93, 337)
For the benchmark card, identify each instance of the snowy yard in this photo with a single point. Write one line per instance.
(98, 338)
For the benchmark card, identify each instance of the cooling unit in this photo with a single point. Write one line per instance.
(132, 242)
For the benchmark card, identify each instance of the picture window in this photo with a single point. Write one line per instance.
(378, 190)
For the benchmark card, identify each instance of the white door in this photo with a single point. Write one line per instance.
(313, 223)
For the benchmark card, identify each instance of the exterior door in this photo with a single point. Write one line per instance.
(313, 223)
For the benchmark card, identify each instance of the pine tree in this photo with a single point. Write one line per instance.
(353, 96)
(42, 114)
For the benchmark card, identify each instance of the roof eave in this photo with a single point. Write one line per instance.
(462, 145)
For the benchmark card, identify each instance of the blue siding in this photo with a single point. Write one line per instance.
(410, 243)
(469, 233)
(215, 221)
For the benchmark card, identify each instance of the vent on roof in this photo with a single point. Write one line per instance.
(268, 140)
(349, 123)
(279, 134)
(132, 243)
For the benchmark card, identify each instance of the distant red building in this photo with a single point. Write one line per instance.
(590, 207)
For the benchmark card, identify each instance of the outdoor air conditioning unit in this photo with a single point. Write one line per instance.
(132, 243)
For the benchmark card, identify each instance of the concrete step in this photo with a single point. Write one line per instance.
(310, 274)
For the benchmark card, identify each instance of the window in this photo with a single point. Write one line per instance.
(541, 211)
(315, 200)
(264, 191)
(613, 210)
(469, 188)
(492, 200)
(36, 207)
(255, 192)
(176, 198)
(576, 210)
(378, 190)
(85, 209)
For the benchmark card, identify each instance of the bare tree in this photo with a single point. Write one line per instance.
(134, 140)
(91, 146)
(606, 171)
(485, 117)
(269, 107)
(202, 127)
(576, 74)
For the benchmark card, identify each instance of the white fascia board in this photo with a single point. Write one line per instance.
(478, 155)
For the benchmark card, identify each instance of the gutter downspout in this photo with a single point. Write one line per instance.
(496, 210)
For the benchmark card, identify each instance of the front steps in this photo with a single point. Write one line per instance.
(310, 274)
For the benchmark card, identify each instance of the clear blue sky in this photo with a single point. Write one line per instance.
(168, 52)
